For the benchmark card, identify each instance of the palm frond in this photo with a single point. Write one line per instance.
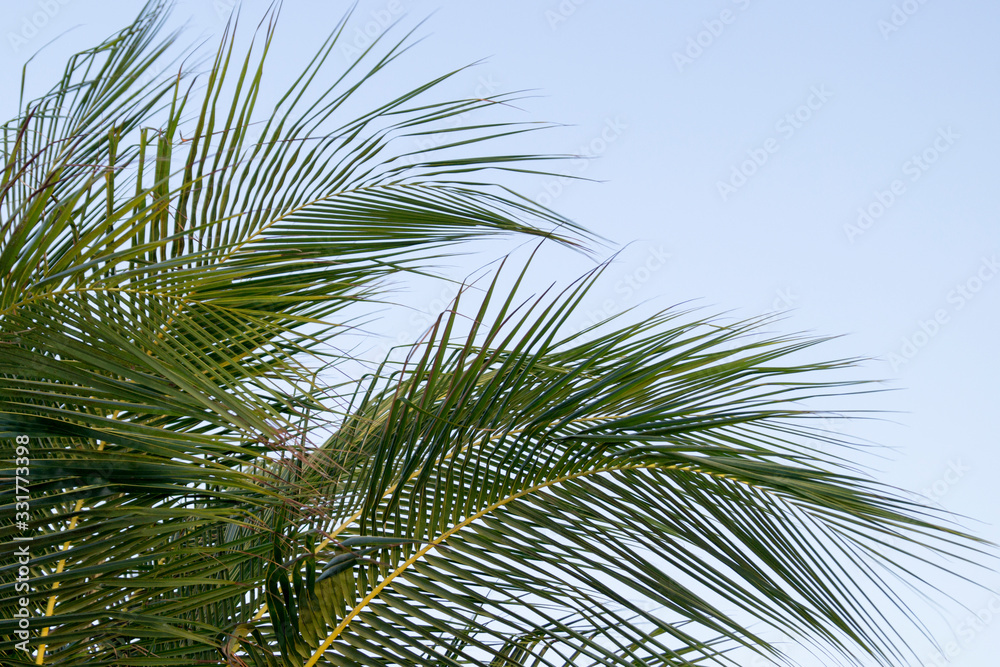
(178, 272)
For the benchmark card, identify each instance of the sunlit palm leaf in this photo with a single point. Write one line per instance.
(605, 479)
(178, 271)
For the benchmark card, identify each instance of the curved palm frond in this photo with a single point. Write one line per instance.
(174, 291)
(599, 497)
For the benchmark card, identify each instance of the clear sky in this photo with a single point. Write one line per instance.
(833, 161)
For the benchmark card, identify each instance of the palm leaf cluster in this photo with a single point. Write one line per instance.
(179, 274)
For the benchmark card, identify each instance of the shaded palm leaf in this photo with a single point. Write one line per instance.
(174, 292)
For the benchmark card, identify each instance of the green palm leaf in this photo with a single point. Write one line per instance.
(175, 295)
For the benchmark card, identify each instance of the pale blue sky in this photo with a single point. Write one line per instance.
(835, 105)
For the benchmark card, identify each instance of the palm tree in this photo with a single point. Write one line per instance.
(186, 484)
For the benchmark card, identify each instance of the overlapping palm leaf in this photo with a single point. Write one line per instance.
(653, 474)
(179, 271)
